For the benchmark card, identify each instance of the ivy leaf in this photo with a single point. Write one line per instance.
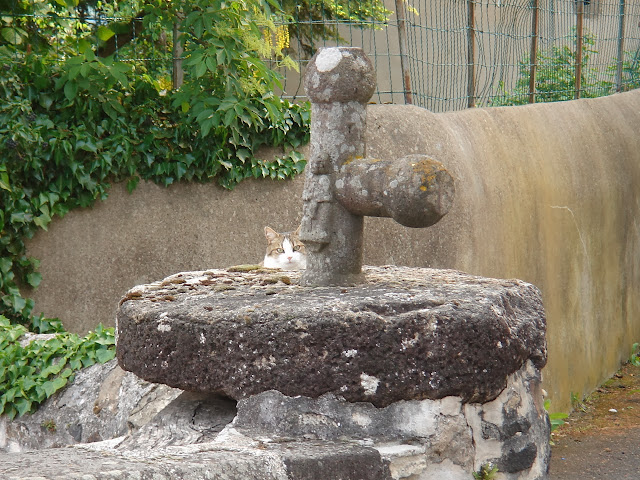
(5, 265)
(42, 221)
(52, 386)
(104, 33)
(75, 363)
(34, 279)
(23, 405)
(4, 181)
(18, 303)
(104, 355)
(10, 394)
(132, 183)
(181, 169)
(28, 383)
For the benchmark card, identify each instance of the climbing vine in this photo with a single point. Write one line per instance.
(72, 122)
(32, 372)
(69, 127)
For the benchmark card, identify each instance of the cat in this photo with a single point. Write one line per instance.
(284, 250)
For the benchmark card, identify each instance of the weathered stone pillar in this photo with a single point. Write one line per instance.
(342, 185)
(339, 83)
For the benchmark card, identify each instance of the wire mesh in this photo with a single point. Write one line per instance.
(438, 54)
(462, 53)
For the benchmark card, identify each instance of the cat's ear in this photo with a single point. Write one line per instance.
(270, 233)
(297, 232)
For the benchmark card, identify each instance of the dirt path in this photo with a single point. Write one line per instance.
(601, 439)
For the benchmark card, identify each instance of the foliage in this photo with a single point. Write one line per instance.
(317, 20)
(69, 128)
(634, 359)
(30, 374)
(488, 471)
(630, 71)
(72, 122)
(556, 419)
(556, 76)
(577, 403)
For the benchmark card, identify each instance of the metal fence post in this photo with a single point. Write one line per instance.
(533, 56)
(579, 38)
(620, 47)
(471, 55)
(402, 43)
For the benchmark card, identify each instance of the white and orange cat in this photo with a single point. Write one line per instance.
(284, 250)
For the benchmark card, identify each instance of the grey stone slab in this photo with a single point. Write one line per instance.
(207, 462)
(403, 334)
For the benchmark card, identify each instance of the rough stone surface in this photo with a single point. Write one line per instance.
(200, 462)
(340, 75)
(102, 402)
(404, 334)
(339, 82)
(420, 436)
(190, 418)
(274, 436)
(544, 192)
(416, 190)
(341, 185)
(512, 431)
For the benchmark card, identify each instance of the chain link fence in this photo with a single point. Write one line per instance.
(454, 54)
(439, 54)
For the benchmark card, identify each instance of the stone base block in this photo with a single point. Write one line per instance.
(271, 436)
(419, 439)
(404, 334)
(414, 373)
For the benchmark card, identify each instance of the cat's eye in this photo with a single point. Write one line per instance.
(297, 248)
(280, 250)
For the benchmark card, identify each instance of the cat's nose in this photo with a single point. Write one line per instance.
(289, 258)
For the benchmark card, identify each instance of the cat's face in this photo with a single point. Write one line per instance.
(284, 250)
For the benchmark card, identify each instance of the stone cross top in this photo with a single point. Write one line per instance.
(342, 185)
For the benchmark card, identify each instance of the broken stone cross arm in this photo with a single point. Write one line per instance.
(342, 185)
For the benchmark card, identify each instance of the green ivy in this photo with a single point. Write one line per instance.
(634, 358)
(67, 130)
(487, 471)
(30, 374)
(556, 419)
(72, 123)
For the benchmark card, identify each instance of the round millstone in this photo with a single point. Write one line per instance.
(403, 334)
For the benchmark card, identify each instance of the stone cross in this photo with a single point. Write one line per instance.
(342, 185)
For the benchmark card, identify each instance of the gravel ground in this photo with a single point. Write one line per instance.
(601, 439)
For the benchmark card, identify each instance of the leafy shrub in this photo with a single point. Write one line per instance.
(634, 358)
(556, 76)
(69, 128)
(72, 122)
(30, 374)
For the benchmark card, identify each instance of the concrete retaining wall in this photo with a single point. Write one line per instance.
(547, 193)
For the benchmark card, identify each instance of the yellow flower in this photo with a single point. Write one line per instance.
(282, 37)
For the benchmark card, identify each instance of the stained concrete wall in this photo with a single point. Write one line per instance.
(547, 193)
